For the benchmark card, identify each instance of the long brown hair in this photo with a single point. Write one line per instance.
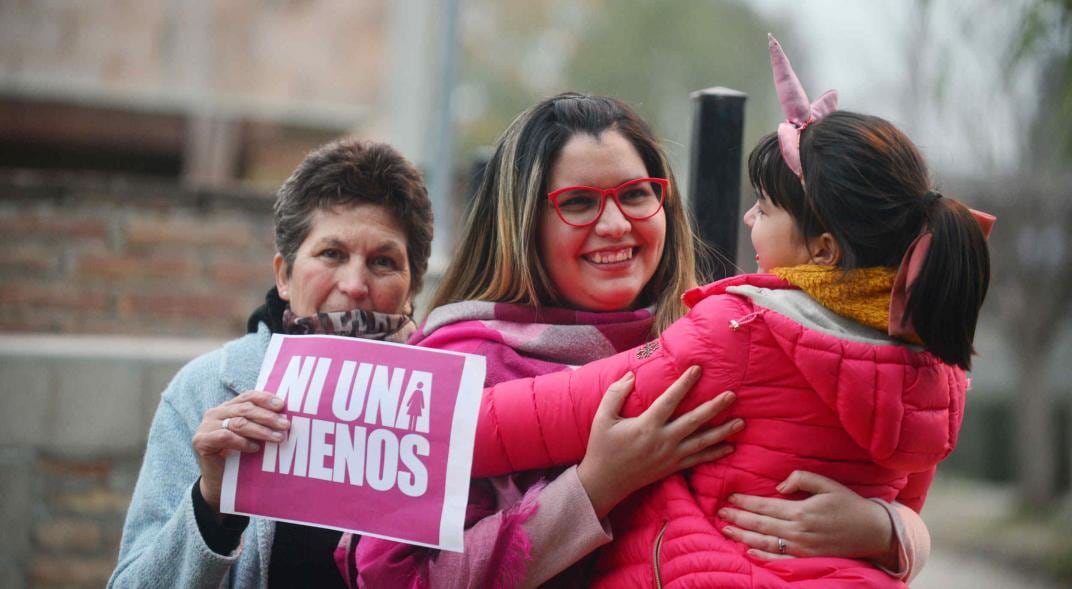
(498, 258)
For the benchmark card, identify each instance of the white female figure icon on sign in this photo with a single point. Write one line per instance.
(416, 406)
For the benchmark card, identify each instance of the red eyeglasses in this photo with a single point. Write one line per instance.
(638, 199)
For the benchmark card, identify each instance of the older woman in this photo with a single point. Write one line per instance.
(353, 227)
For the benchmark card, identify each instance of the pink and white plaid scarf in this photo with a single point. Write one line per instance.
(520, 341)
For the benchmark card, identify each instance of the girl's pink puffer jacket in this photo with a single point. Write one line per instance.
(817, 393)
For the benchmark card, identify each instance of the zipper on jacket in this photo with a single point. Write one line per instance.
(655, 555)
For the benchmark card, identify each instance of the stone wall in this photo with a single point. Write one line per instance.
(96, 254)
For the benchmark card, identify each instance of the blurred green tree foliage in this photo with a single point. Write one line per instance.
(1033, 290)
(650, 53)
(1046, 38)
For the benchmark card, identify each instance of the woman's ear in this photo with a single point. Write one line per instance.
(824, 250)
(281, 278)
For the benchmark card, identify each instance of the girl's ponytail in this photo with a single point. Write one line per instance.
(944, 300)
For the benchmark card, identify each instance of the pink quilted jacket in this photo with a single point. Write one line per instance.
(873, 414)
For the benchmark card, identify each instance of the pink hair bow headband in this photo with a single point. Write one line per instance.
(799, 112)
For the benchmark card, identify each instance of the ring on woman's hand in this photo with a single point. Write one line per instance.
(781, 546)
(226, 423)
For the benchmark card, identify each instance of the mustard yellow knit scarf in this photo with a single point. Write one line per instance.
(862, 295)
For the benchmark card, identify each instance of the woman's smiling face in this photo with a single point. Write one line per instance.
(606, 265)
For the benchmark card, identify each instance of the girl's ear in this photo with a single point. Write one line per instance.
(824, 250)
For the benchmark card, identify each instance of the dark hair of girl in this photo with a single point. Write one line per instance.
(866, 184)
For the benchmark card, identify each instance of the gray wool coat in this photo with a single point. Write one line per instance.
(161, 545)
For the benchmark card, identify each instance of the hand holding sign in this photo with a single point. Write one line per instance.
(379, 440)
(251, 417)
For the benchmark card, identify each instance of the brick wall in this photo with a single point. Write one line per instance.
(79, 516)
(92, 254)
(310, 57)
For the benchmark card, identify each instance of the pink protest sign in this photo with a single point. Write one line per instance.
(380, 443)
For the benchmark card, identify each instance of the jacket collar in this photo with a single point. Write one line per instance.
(242, 359)
(699, 293)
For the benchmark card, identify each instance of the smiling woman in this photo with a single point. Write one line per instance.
(575, 141)
(576, 247)
(353, 229)
(604, 264)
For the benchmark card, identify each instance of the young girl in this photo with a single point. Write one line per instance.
(847, 359)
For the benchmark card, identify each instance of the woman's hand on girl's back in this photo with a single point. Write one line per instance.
(250, 418)
(834, 521)
(626, 454)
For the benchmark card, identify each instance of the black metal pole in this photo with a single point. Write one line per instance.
(715, 175)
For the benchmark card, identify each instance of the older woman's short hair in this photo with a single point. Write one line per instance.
(350, 172)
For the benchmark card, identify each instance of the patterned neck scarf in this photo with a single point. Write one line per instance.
(353, 323)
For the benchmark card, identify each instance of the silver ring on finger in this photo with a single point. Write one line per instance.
(782, 546)
(226, 424)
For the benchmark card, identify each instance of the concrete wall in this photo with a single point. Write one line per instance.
(74, 417)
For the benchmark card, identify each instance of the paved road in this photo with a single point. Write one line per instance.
(979, 541)
(951, 570)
